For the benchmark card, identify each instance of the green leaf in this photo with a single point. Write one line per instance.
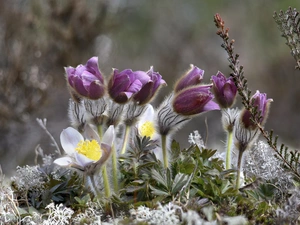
(179, 181)
(160, 178)
(159, 192)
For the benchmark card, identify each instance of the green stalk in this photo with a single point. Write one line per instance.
(228, 152)
(164, 150)
(106, 182)
(239, 165)
(100, 131)
(126, 138)
(115, 168)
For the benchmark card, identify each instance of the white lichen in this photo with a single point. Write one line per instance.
(58, 215)
(162, 215)
(196, 139)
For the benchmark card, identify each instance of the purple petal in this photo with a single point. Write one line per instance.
(123, 97)
(135, 86)
(96, 90)
(117, 84)
(142, 77)
(193, 77)
(70, 71)
(193, 100)
(93, 67)
(79, 70)
(79, 87)
(211, 105)
(145, 94)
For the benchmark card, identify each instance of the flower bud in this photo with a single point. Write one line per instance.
(224, 90)
(262, 104)
(86, 80)
(122, 85)
(148, 91)
(192, 77)
(194, 100)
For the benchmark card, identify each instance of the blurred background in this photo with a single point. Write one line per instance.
(39, 38)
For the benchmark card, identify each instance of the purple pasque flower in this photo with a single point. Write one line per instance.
(194, 100)
(148, 91)
(192, 77)
(262, 104)
(86, 80)
(122, 85)
(224, 90)
(88, 154)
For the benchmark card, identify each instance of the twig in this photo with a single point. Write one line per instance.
(244, 92)
(42, 123)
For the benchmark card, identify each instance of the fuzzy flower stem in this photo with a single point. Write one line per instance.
(164, 150)
(126, 137)
(106, 182)
(115, 168)
(100, 131)
(93, 184)
(228, 151)
(239, 165)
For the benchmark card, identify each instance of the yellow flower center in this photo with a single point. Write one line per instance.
(147, 129)
(90, 149)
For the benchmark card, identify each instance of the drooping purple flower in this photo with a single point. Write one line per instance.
(259, 101)
(148, 91)
(192, 77)
(194, 100)
(224, 90)
(122, 85)
(86, 80)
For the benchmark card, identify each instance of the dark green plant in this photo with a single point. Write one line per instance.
(58, 186)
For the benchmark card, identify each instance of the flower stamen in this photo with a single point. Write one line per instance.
(147, 129)
(90, 149)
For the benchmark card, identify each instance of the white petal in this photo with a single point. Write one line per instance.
(69, 138)
(109, 136)
(148, 115)
(158, 153)
(91, 134)
(64, 161)
(82, 160)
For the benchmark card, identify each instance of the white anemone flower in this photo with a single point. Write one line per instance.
(88, 154)
(146, 128)
(146, 124)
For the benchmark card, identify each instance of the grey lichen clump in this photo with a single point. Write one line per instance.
(29, 178)
(262, 163)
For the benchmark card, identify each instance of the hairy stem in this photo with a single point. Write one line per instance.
(126, 138)
(115, 168)
(100, 131)
(93, 183)
(106, 182)
(239, 165)
(164, 150)
(228, 149)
